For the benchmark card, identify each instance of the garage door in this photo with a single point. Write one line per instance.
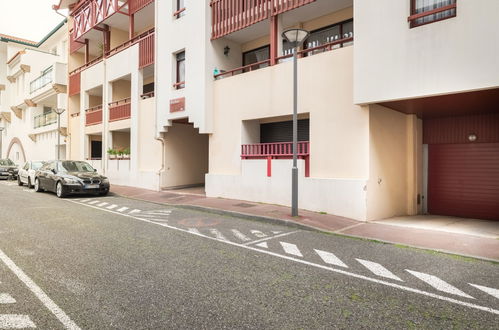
(463, 180)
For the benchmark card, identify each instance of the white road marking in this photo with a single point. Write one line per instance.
(330, 258)
(28, 190)
(134, 211)
(194, 231)
(6, 298)
(258, 233)
(122, 209)
(83, 200)
(291, 249)
(439, 284)
(269, 238)
(218, 235)
(102, 204)
(493, 292)
(38, 292)
(263, 245)
(308, 263)
(15, 321)
(160, 212)
(93, 202)
(378, 269)
(240, 235)
(112, 206)
(276, 232)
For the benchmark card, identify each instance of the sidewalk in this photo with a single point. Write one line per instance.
(452, 242)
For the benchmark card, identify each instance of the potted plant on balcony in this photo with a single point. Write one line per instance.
(112, 153)
(119, 152)
(126, 153)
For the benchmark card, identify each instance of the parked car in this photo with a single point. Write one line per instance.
(70, 177)
(26, 174)
(8, 170)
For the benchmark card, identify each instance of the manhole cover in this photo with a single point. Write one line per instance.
(244, 205)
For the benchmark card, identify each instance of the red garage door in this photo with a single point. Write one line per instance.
(463, 180)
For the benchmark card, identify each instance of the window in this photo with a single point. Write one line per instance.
(180, 9)
(180, 80)
(421, 8)
(328, 35)
(255, 56)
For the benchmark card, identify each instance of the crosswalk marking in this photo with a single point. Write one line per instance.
(291, 249)
(240, 235)
(6, 298)
(112, 206)
(122, 209)
(102, 204)
(263, 245)
(15, 321)
(258, 233)
(93, 202)
(378, 269)
(330, 258)
(218, 234)
(194, 231)
(439, 284)
(493, 292)
(134, 211)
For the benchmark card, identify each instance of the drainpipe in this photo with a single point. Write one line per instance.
(162, 169)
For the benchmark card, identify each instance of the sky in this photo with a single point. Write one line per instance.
(28, 19)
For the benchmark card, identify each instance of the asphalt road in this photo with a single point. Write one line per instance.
(115, 263)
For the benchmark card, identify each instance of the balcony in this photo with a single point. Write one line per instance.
(93, 116)
(45, 119)
(281, 150)
(229, 16)
(120, 110)
(41, 81)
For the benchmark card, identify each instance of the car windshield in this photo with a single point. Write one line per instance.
(36, 165)
(6, 162)
(75, 166)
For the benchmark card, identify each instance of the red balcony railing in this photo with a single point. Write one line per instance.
(74, 83)
(281, 150)
(232, 15)
(93, 116)
(305, 52)
(146, 50)
(89, 13)
(136, 5)
(120, 109)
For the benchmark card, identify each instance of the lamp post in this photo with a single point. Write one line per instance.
(295, 37)
(1, 136)
(59, 112)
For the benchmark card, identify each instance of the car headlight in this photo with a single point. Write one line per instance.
(71, 181)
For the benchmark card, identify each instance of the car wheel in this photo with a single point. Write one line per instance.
(60, 190)
(29, 183)
(37, 185)
(19, 183)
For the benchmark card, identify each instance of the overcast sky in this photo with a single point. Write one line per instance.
(28, 19)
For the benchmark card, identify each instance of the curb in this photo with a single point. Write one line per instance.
(292, 224)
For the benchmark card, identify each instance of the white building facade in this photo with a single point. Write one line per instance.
(33, 83)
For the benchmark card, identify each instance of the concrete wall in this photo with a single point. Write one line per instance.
(121, 89)
(395, 163)
(186, 160)
(339, 134)
(456, 54)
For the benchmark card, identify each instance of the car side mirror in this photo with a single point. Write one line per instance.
(95, 170)
(53, 171)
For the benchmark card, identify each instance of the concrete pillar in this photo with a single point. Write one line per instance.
(137, 80)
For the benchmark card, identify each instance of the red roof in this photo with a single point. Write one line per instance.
(18, 39)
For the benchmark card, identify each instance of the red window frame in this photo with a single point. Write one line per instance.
(414, 17)
(179, 58)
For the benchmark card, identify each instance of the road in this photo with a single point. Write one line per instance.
(116, 263)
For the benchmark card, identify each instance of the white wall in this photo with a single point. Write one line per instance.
(393, 61)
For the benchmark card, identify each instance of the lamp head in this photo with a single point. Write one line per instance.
(59, 110)
(295, 36)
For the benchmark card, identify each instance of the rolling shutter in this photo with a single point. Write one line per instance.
(283, 131)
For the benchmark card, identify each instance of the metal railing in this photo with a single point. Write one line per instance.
(276, 150)
(120, 109)
(41, 81)
(93, 116)
(45, 119)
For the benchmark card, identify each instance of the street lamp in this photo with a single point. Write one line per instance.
(295, 37)
(1, 136)
(59, 112)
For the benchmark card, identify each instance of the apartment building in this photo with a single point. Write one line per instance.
(396, 103)
(33, 79)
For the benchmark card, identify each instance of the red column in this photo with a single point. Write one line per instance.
(269, 166)
(273, 37)
(131, 26)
